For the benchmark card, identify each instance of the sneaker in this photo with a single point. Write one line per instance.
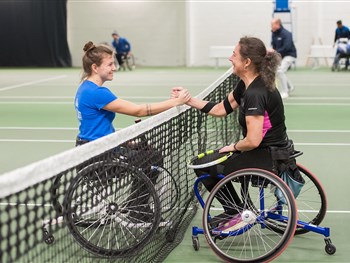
(284, 95)
(290, 87)
(235, 223)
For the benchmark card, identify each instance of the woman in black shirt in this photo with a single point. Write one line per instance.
(261, 112)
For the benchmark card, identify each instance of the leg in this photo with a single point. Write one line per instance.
(285, 86)
(119, 59)
(229, 193)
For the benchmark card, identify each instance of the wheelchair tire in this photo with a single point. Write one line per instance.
(244, 236)
(111, 209)
(167, 189)
(311, 203)
(130, 62)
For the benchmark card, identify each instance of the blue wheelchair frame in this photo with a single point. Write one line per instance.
(275, 215)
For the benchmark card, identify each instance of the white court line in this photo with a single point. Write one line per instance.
(37, 102)
(150, 97)
(37, 97)
(73, 128)
(319, 131)
(318, 98)
(31, 83)
(30, 140)
(321, 144)
(70, 141)
(303, 211)
(159, 98)
(38, 128)
(316, 104)
(320, 85)
(214, 208)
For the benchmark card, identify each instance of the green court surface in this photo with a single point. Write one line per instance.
(37, 120)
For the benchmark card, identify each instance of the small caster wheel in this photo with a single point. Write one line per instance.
(330, 249)
(195, 243)
(48, 237)
(170, 235)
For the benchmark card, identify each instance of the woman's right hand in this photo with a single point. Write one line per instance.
(182, 96)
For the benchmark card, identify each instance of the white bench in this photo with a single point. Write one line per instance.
(321, 51)
(218, 52)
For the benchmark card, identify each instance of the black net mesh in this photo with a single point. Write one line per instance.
(130, 203)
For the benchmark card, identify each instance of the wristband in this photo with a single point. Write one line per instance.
(208, 107)
(234, 147)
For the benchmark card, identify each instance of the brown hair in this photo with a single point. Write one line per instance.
(94, 55)
(265, 63)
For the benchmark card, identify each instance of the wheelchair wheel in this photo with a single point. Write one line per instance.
(166, 188)
(111, 209)
(311, 203)
(129, 62)
(243, 236)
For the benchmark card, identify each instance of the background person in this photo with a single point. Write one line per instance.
(340, 32)
(261, 116)
(122, 47)
(282, 42)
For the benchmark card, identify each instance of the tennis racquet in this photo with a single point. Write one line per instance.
(208, 158)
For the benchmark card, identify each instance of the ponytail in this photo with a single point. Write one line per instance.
(269, 67)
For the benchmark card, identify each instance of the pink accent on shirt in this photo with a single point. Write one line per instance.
(267, 124)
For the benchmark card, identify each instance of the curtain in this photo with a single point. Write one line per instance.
(33, 33)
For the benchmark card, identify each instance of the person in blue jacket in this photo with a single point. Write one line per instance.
(341, 32)
(282, 42)
(121, 46)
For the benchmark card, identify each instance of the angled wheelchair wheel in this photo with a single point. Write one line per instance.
(166, 188)
(111, 209)
(311, 203)
(240, 234)
(129, 62)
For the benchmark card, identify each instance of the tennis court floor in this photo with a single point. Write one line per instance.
(37, 120)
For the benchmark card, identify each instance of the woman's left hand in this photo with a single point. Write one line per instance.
(227, 148)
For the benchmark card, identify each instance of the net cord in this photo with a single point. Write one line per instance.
(22, 178)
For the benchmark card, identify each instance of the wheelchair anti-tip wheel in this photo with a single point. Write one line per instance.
(111, 209)
(241, 233)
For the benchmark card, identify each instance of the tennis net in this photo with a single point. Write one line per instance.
(127, 197)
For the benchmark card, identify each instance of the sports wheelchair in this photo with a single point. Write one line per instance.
(113, 207)
(264, 223)
(128, 62)
(342, 56)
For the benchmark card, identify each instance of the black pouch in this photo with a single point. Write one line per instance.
(286, 168)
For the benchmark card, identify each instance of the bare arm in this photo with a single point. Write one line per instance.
(218, 110)
(253, 138)
(132, 109)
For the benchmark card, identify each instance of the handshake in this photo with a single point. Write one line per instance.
(181, 95)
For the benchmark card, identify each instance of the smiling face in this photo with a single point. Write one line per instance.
(237, 61)
(107, 68)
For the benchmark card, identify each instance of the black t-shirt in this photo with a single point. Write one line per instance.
(257, 100)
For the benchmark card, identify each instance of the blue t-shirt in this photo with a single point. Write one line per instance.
(95, 122)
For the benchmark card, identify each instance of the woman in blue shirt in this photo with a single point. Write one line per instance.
(96, 105)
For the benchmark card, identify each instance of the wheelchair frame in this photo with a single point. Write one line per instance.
(100, 186)
(261, 216)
